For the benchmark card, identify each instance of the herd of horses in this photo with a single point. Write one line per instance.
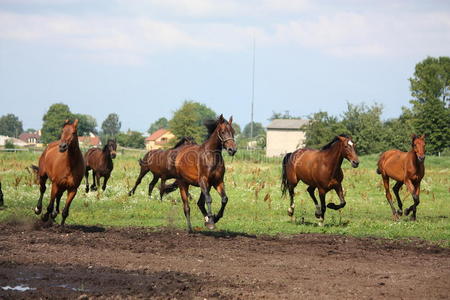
(202, 165)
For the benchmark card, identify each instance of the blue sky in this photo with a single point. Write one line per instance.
(143, 58)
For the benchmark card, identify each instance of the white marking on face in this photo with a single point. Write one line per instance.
(350, 143)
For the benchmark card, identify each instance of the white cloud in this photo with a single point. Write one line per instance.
(133, 38)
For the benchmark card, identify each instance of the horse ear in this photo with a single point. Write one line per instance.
(221, 118)
(75, 123)
(231, 120)
(422, 137)
(341, 138)
(66, 122)
(414, 136)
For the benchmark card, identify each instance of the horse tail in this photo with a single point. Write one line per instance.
(378, 171)
(284, 179)
(141, 162)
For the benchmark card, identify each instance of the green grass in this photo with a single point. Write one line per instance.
(247, 183)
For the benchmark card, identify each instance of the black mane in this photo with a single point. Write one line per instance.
(210, 125)
(336, 138)
(184, 140)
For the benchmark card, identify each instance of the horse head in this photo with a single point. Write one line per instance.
(68, 136)
(111, 146)
(349, 151)
(225, 133)
(418, 146)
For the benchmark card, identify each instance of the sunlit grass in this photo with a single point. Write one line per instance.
(255, 204)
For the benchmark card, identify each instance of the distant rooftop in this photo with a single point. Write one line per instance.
(287, 123)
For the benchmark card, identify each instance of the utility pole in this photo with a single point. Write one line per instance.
(253, 89)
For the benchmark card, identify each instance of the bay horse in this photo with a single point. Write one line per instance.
(319, 169)
(406, 168)
(1, 195)
(100, 162)
(203, 166)
(61, 162)
(161, 163)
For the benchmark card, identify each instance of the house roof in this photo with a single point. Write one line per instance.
(287, 124)
(25, 136)
(157, 134)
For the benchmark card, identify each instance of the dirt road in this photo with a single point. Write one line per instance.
(89, 262)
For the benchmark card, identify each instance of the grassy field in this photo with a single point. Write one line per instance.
(255, 204)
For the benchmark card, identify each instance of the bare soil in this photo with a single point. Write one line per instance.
(97, 262)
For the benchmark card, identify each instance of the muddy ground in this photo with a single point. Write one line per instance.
(98, 262)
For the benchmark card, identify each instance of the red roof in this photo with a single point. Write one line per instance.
(25, 136)
(157, 134)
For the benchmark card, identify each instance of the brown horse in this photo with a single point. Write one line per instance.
(101, 164)
(62, 162)
(405, 168)
(319, 169)
(162, 165)
(203, 166)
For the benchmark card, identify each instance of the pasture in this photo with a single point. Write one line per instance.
(118, 246)
(255, 204)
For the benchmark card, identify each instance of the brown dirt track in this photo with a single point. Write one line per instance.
(84, 262)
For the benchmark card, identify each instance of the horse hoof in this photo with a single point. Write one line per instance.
(318, 215)
(399, 212)
(45, 217)
(395, 217)
(320, 223)
(37, 210)
(87, 190)
(210, 225)
(332, 205)
(290, 212)
(54, 215)
(407, 211)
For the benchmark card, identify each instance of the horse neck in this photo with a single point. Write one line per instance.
(414, 160)
(213, 143)
(106, 154)
(334, 155)
(74, 149)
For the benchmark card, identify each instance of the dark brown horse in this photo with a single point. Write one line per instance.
(101, 164)
(406, 168)
(1, 195)
(61, 162)
(203, 166)
(162, 165)
(319, 169)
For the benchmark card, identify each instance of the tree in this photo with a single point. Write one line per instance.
(258, 130)
(399, 130)
(237, 128)
(86, 124)
(430, 88)
(363, 123)
(54, 120)
(158, 124)
(111, 125)
(131, 139)
(10, 125)
(279, 115)
(30, 130)
(321, 129)
(188, 120)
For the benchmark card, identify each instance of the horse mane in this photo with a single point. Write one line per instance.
(335, 139)
(210, 125)
(183, 140)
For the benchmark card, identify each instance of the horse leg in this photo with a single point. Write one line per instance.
(54, 193)
(201, 204)
(94, 177)
(318, 211)
(291, 208)
(204, 186)
(340, 194)
(415, 194)
(187, 211)
(142, 173)
(396, 189)
(220, 188)
(323, 207)
(162, 189)
(70, 195)
(97, 181)
(86, 176)
(58, 200)
(42, 188)
(152, 184)
(105, 180)
(389, 197)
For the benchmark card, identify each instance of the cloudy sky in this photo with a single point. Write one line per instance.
(143, 58)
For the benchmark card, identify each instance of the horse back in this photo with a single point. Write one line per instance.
(393, 163)
(92, 157)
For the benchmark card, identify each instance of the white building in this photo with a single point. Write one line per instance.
(285, 135)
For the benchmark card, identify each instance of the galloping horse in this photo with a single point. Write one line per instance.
(101, 164)
(319, 169)
(203, 166)
(406, 168)
(62, 162)
(162, 165)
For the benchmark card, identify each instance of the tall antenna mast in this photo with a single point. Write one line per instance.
(253, 89)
